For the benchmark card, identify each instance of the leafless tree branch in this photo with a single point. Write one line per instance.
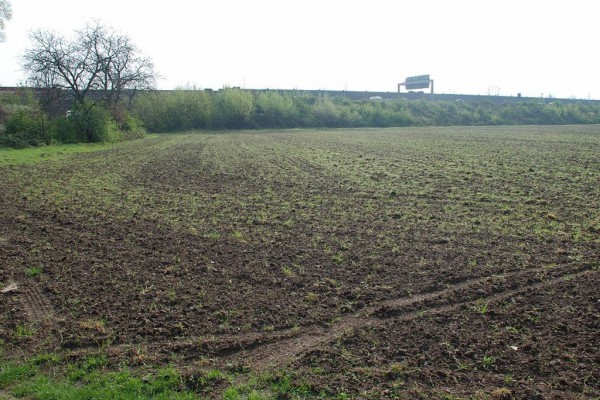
(97, 60)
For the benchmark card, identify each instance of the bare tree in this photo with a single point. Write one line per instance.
(97, 63)
(5, 15)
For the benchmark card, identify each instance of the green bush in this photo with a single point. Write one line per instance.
(93, 123)
(130, 126)
(178, 110)
(274, 110)
(234, 109)
(327, 113)
(185, 109)
(26, 127)
(64, 130)
(196, 108)
(3, 116)
(24, 124)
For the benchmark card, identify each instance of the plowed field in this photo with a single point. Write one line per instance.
(385, 263)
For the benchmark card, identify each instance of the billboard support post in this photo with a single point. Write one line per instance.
(417, 82)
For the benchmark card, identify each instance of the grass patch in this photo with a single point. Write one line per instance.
(9, 156)
(88, 381)
(11, 373)
(44, 377)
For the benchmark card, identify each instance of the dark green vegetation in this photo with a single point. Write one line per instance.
(30, 123)
(237, 109)
(432, 263)
(81, 89)
(26, 121)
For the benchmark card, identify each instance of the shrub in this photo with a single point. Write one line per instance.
(3, 116)
(64, 130)
(195, 107)
(26, 127)
(234, 109)
(181, 109)
(274, 110)
(184, 109)
(327, 113)
(93, 123)
(130, 126)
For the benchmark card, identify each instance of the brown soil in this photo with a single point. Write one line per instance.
(273, 255)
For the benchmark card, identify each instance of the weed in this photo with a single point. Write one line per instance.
(311, 297)
(45, 358)
(512, 329)
(94, 384)
(462, 366)
(37, 154)
(289, 223)
(24, 331)
(231, 393)
(284, 385)
(338, 258)
(34, 271)
(397, 369)
(488, 361)
(94, 362)
(288, 272)
(316, 240)
(210, 378)
(213, 235)
(481, 307)
(238, 235)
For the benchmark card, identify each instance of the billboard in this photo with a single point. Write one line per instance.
(417, 82)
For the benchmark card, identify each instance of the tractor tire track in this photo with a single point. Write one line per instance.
(281, 353)
(37, 309)
(261, 351)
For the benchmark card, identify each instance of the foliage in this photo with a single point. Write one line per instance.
(274, 110)
(188, 108)
(185, 109)
(91, 123)
(93, 75)
(235, 109)
(88, 381)
(179, 110)
(130, 126)
(27, 125)
(326, 113)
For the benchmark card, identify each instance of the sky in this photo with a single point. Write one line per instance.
(545, 48)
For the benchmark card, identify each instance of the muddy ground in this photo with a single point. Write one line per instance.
(388, 263)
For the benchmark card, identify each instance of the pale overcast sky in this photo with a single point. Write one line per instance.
(535, 47)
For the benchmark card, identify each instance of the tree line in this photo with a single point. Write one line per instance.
(29, 119)
(188, 109)
(96, 86)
